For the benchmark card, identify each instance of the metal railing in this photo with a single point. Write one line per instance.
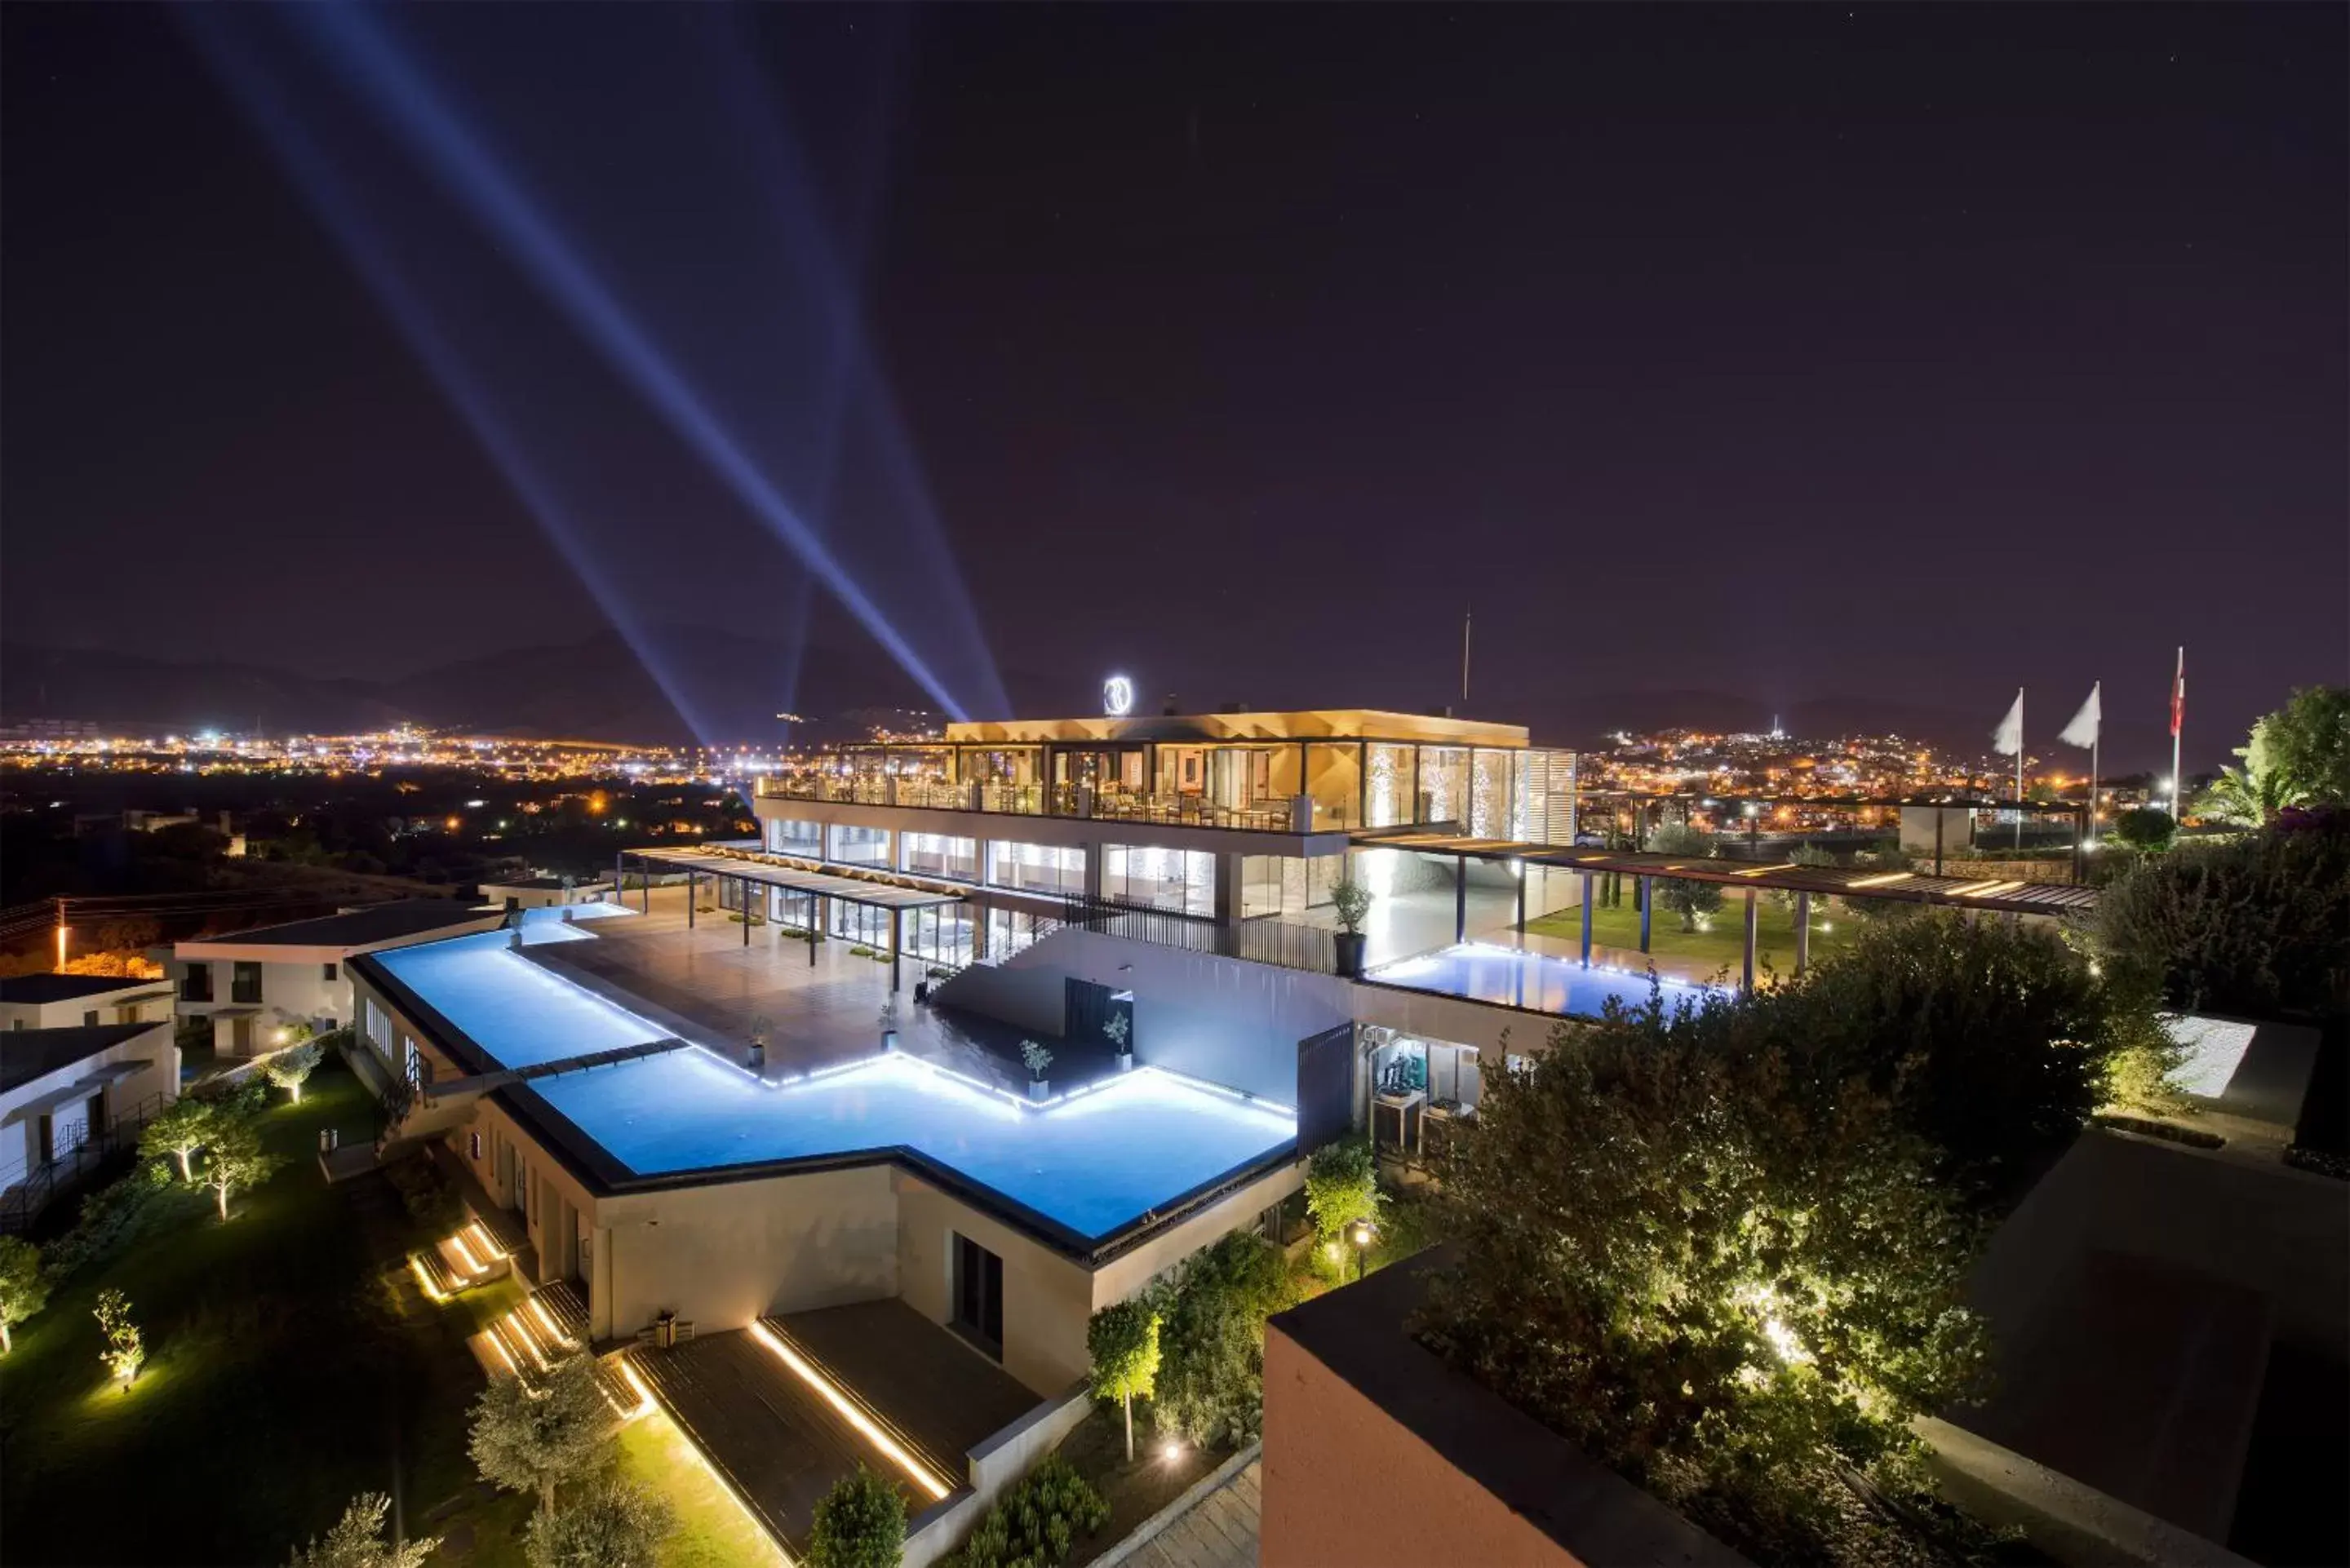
(22, 1203)
(1264, 940)
(1269, 816)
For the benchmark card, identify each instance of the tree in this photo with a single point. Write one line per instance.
(527, 1440)
(860, 1523)
(616, 1524)
(1714, 1271)
(2147, 829)
(2258, 925)
(179, 1131)
(1210, 1381)
(1123, 1341)
(1992, 1043)
(126, 1347)
(1342, 1185)
(1351, 902)
(290, 1066)
(24, 1288)
(357, 1540)
(1687, 899)
(2309, 740)
(233, 1158)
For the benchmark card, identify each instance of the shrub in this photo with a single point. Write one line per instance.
(1210, 1385)
(126, 1347)
(1712, 1269)
(1342, 1185)
(24, 1289)
(614, 1524)
(860, 1523)
(1035, 1522)
(2148, 830)
(2259, 924)
(357, 1540)
(1350, 901)
(1992, 1042)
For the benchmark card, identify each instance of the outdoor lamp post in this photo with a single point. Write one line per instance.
(1362, 1247)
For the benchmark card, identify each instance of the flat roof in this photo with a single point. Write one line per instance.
(1306, 724)
(353, 928)
(38, 990)
(549, 883)
(893, 892)
(29, 1054)
(2002, 895)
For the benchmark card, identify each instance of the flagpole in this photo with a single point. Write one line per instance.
(2019, 772)
(2178, 723)
(2097, 736)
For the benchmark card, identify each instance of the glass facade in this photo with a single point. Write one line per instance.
(787, 836)
(1009, 930)
(1183, 880)
(1038, 867)
(854, 846)
(937, 854)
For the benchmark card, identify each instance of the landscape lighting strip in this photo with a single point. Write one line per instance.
(847, 1410)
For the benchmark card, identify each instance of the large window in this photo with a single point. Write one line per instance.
(977, 1306)
(854, 846)
(1183, 880)
(245, 986)
(936, 855)
(795, 837)
(1039, 867)
(1009, 930)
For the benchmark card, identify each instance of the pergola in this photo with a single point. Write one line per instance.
(1996, 895)
(892, 893)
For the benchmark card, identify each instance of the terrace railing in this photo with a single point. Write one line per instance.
(22, 1203)
(1266, 815)
(1263, 940)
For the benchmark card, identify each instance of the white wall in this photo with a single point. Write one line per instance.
(107, 1005)
(160, 1079)
(723, 1254)
(1047, 1298)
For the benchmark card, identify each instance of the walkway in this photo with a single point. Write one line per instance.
(1218, 1531)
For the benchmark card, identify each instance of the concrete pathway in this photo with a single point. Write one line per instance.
(1219, 1530)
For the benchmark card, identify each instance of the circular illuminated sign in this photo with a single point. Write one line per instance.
(1118, 696)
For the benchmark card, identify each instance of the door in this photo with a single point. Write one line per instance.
(47, 1141)
(977, 1300)
(240, 1037)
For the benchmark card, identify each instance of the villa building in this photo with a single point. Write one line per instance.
(86, 1001)
(66, 1093)
(985, 1033)
(251, 984)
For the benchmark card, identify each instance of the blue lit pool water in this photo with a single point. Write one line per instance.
(515, 1011)
(1092, 1162)
(1537, 981)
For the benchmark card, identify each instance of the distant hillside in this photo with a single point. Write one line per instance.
(731, 686)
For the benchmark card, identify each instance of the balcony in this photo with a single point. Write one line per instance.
(1059, 800)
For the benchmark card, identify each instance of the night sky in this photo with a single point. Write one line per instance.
(1901, 353)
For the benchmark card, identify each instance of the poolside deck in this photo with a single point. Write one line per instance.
(781, 1445)
(706, 985)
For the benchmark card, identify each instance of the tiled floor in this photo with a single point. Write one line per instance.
(707, 986)
(1220, 1530)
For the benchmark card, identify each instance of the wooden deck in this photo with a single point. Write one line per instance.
(781, 1445)
(936, 1395)
(774, 1440)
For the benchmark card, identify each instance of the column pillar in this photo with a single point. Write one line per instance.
(1645, 889)
(814, 921)
(746, 911)
(693, 881)
(1524, 871)
(1230, 893)
(897, 945)
(1460, 898)
(1585, 912)
(1750, 909)
(1802, 932)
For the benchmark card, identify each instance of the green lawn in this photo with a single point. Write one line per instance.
(1718, 944)
(290, 1366)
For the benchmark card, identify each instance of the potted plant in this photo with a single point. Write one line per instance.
(1121, 1033)
(1038, 1059)
(759, 1027)
(1352, 901)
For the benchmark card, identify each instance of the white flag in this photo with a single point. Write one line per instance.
(2008, 739)
(2083, 731)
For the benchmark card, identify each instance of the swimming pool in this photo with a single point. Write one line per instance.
(515, 1011)
(1536, 982)
(1091, 1162)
